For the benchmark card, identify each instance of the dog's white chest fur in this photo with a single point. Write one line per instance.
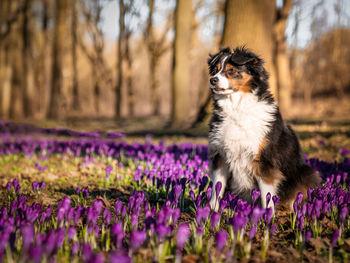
(245, 123)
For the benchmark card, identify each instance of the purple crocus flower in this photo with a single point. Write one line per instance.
(108, 170)
(268, 198)
(15, 183)
(86, 251)
(275, 200)
(119, 257)
(176, 215)
(252, 232)
(209, 192)
(162, 231)
(35, 186)
(183, 233)
(221, 239)
(118, 207)
(239, 221)
(117, 233)
(299, 198)
(137, 238)
(71, 232)
(308, 235)
(27, 232)
(42, 185)
(202, 214)
(343, 213)
(97, 205)
(273, 229)
(301, 222)
(223, 204)
(8, 187)
(177, 191)
(75, 248)
(107, 216)
(96, 258)
(255, 195)
(309, 194)
(218, 187)
(134, 220)
(35, 253)
(268, 215)
(335, 237)
(214, 219)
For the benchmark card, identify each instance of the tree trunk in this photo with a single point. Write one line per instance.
(55, 110)
(16, 104)
(129, 76)
(181, 64)
(154, 85)
(120, 58)
(74, 25)
(44, 74)
(15, 60)
(153, 59)
(250, 23)
(28, 69)
(284, 81)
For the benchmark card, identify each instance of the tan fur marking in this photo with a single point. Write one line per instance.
(262, 146)
(288, 203)
(219, 67)
(229, 66)
(242, 84)
(270, 176)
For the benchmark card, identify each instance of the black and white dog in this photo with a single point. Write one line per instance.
(249, 144)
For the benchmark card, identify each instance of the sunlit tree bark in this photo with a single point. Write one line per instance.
(181, 64)
(55, 110)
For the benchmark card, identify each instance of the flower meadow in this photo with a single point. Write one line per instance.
(91, 197)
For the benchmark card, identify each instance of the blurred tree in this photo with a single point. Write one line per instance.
(10, 12)
(132, 13)
(157, 47)
(120, 52)
(101, 75)
(15, 59)
(29, 93)
(74, 29)
(281, 58)
(55, 108)
(325, 66)
(43, 48)
(181, 64)
(250, 23)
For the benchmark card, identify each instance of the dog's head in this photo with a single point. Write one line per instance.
(237, 71)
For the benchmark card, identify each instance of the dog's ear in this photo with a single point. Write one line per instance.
(240, 59)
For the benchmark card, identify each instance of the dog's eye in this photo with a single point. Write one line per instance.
(231, 70)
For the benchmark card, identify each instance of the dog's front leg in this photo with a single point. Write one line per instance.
(218, 173)
(266, 188)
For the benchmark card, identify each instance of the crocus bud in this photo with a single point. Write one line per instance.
(137, 238)
(335, 237)
(218, 187)
(221, 239)
(183, 233)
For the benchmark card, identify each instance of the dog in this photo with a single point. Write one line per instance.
(250, 146)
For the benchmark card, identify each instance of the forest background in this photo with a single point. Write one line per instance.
(71, 60)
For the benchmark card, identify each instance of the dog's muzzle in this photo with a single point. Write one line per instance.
(217, 88)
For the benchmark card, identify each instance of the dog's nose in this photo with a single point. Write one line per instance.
(214, 80)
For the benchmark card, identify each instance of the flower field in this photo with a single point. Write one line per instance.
(92, 197)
